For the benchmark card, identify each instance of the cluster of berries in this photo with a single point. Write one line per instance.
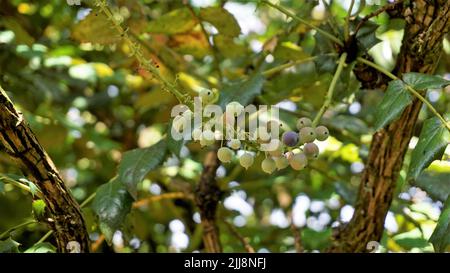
(295, 148)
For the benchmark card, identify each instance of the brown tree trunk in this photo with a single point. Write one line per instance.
(427, 21)
(64, 214)
(207, 196)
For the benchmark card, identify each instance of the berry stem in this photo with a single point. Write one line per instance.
(295, 17)
(137, 52)
(329, 95)
(347, 20)
(409, 88)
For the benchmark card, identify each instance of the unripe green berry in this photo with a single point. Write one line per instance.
(225, 154)
(246, 160)
(322, 133)
(268, 165)
(234, 144)
(298, 161)
(281, 162)
(311, 150)
(206, 95)
(303, 122)
(307, 134)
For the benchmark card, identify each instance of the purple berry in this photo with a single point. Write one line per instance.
(290, 138)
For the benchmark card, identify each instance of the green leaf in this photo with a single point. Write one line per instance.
(38, 207)
(9, 246)
(173, 145)
(176, 21)
(221, 19)
(243, 91)
(137, 163)
(366, 36)
(433, 139)
(436, 184)
(2, 187)
(112, 203)
(441, 235)
(420, 81)
(394, 101)
(41, 248)
(228, 47)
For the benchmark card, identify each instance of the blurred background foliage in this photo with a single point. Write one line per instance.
(88, 102)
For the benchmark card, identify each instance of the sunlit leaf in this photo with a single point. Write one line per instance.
(222, 20)
(176, 21)
(95, 28)
(41, 248)
(433, 140)
(228, 47)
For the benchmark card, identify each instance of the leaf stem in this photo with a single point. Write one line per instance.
(347, 20)
(20, 185)
(4, 234)
(303, 21)
(279, 68)
(409, 88)
(329, 95)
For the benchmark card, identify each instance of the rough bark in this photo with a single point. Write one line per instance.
(64, 213)
(207, 196)
(427, 21)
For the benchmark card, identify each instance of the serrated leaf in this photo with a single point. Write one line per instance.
(112, 203)
(420, 81)
(173, 22)
(394, 102)
(243, 92)
(437, 185)
(41, 248)
(441, 234)
(433, 139)
(95, 28)
(9, 246)
(136, 163)
(221, 19)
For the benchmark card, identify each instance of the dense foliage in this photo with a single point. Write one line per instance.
(97, 85)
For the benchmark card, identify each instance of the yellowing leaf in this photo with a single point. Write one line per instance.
(95, 28)
(103, 70)
(193, 43)
(176, 21)
(228, 47)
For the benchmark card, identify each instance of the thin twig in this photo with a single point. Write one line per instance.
(376, 13)
(329, 95)
(297, 235)
(164, 196)
(243, 240)
(409, 88)
(347, 20)
(295, 17)
(6, 233)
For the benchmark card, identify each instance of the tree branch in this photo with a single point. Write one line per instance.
(207, 196)
(22, 145)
